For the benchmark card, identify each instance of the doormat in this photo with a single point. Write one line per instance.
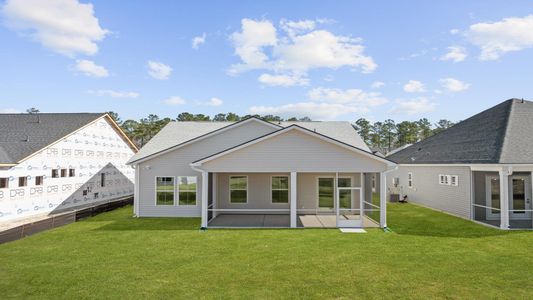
(352, 230)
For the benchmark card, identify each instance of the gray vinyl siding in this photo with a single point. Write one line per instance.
(259, 191)
(177, 163)
(428, 192)
(294, 151)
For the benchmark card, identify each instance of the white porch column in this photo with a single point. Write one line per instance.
(294, 197)
(136, 191)
(214, 193)
(205, 185)
(382, 199)
(504, 198)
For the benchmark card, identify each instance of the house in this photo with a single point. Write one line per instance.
(52, 162)
(479, 169)
(255, 173)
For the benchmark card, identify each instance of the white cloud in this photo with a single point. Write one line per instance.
(282, 80)
(454, 31)
(496, 39)
(454, 85)
(301, 49)
(89, 68)
(175, 100)
(113, 94)
(297, 27)
(377, 84)
(214, 102)
(326, 104)
(413, 106)
(159, 70)
(455, 54)
(63, 26)
(414, 86)
(353, 97)
(9, 111)
(314, 110)
(198, 40)
(249, 44)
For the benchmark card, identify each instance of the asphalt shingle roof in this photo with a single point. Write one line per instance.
(24, 134)
(501, 134)
(176, 133)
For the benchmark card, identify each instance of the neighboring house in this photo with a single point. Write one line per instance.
(54, 162)
(479, 169)
(254, 173)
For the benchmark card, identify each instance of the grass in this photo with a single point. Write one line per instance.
(428, 255)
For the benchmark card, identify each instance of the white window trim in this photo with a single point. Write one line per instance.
(177, 196)
(173, 189)
(229, 189)
(410, 180)
(456, 180)
(288, 189)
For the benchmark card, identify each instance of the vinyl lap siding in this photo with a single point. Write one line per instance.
(177, 163)
(294, 151)
(428, 192)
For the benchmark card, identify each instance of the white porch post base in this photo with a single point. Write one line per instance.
(382, 200)
(294, 194)
(205, 184)
(504, 198)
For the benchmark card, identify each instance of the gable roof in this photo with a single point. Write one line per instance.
(178, 134)
(501, 134)
(22, 135)
(286, 129)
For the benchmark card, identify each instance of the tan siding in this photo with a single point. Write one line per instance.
(428, 192)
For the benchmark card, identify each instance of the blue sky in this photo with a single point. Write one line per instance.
(330, 60)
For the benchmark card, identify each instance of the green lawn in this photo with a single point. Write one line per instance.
(427, 255)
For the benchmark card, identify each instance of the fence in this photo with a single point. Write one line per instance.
(60, 219)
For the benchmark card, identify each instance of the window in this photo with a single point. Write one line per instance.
(63, 172)
(280, 189)
(187, 190)
(164, 191)
(102, 180)
(71, 172)
(96, 195)
(4, 183)
(396, 181)
(410, 180)
(495, 195)
(454, 180)
(325, 192)
(39, 180)
(23, 181)
(345, 196)
(55, 173)
(443, 179)
(238, 189)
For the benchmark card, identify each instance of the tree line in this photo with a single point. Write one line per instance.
(141, 131)
(382, 136)
(388, 135)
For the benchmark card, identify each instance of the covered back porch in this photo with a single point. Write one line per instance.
(292, 199)
(502, 196)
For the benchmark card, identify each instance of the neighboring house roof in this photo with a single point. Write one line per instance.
(288, 128)
(177, 134)
(501, 134)
(22, 135)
